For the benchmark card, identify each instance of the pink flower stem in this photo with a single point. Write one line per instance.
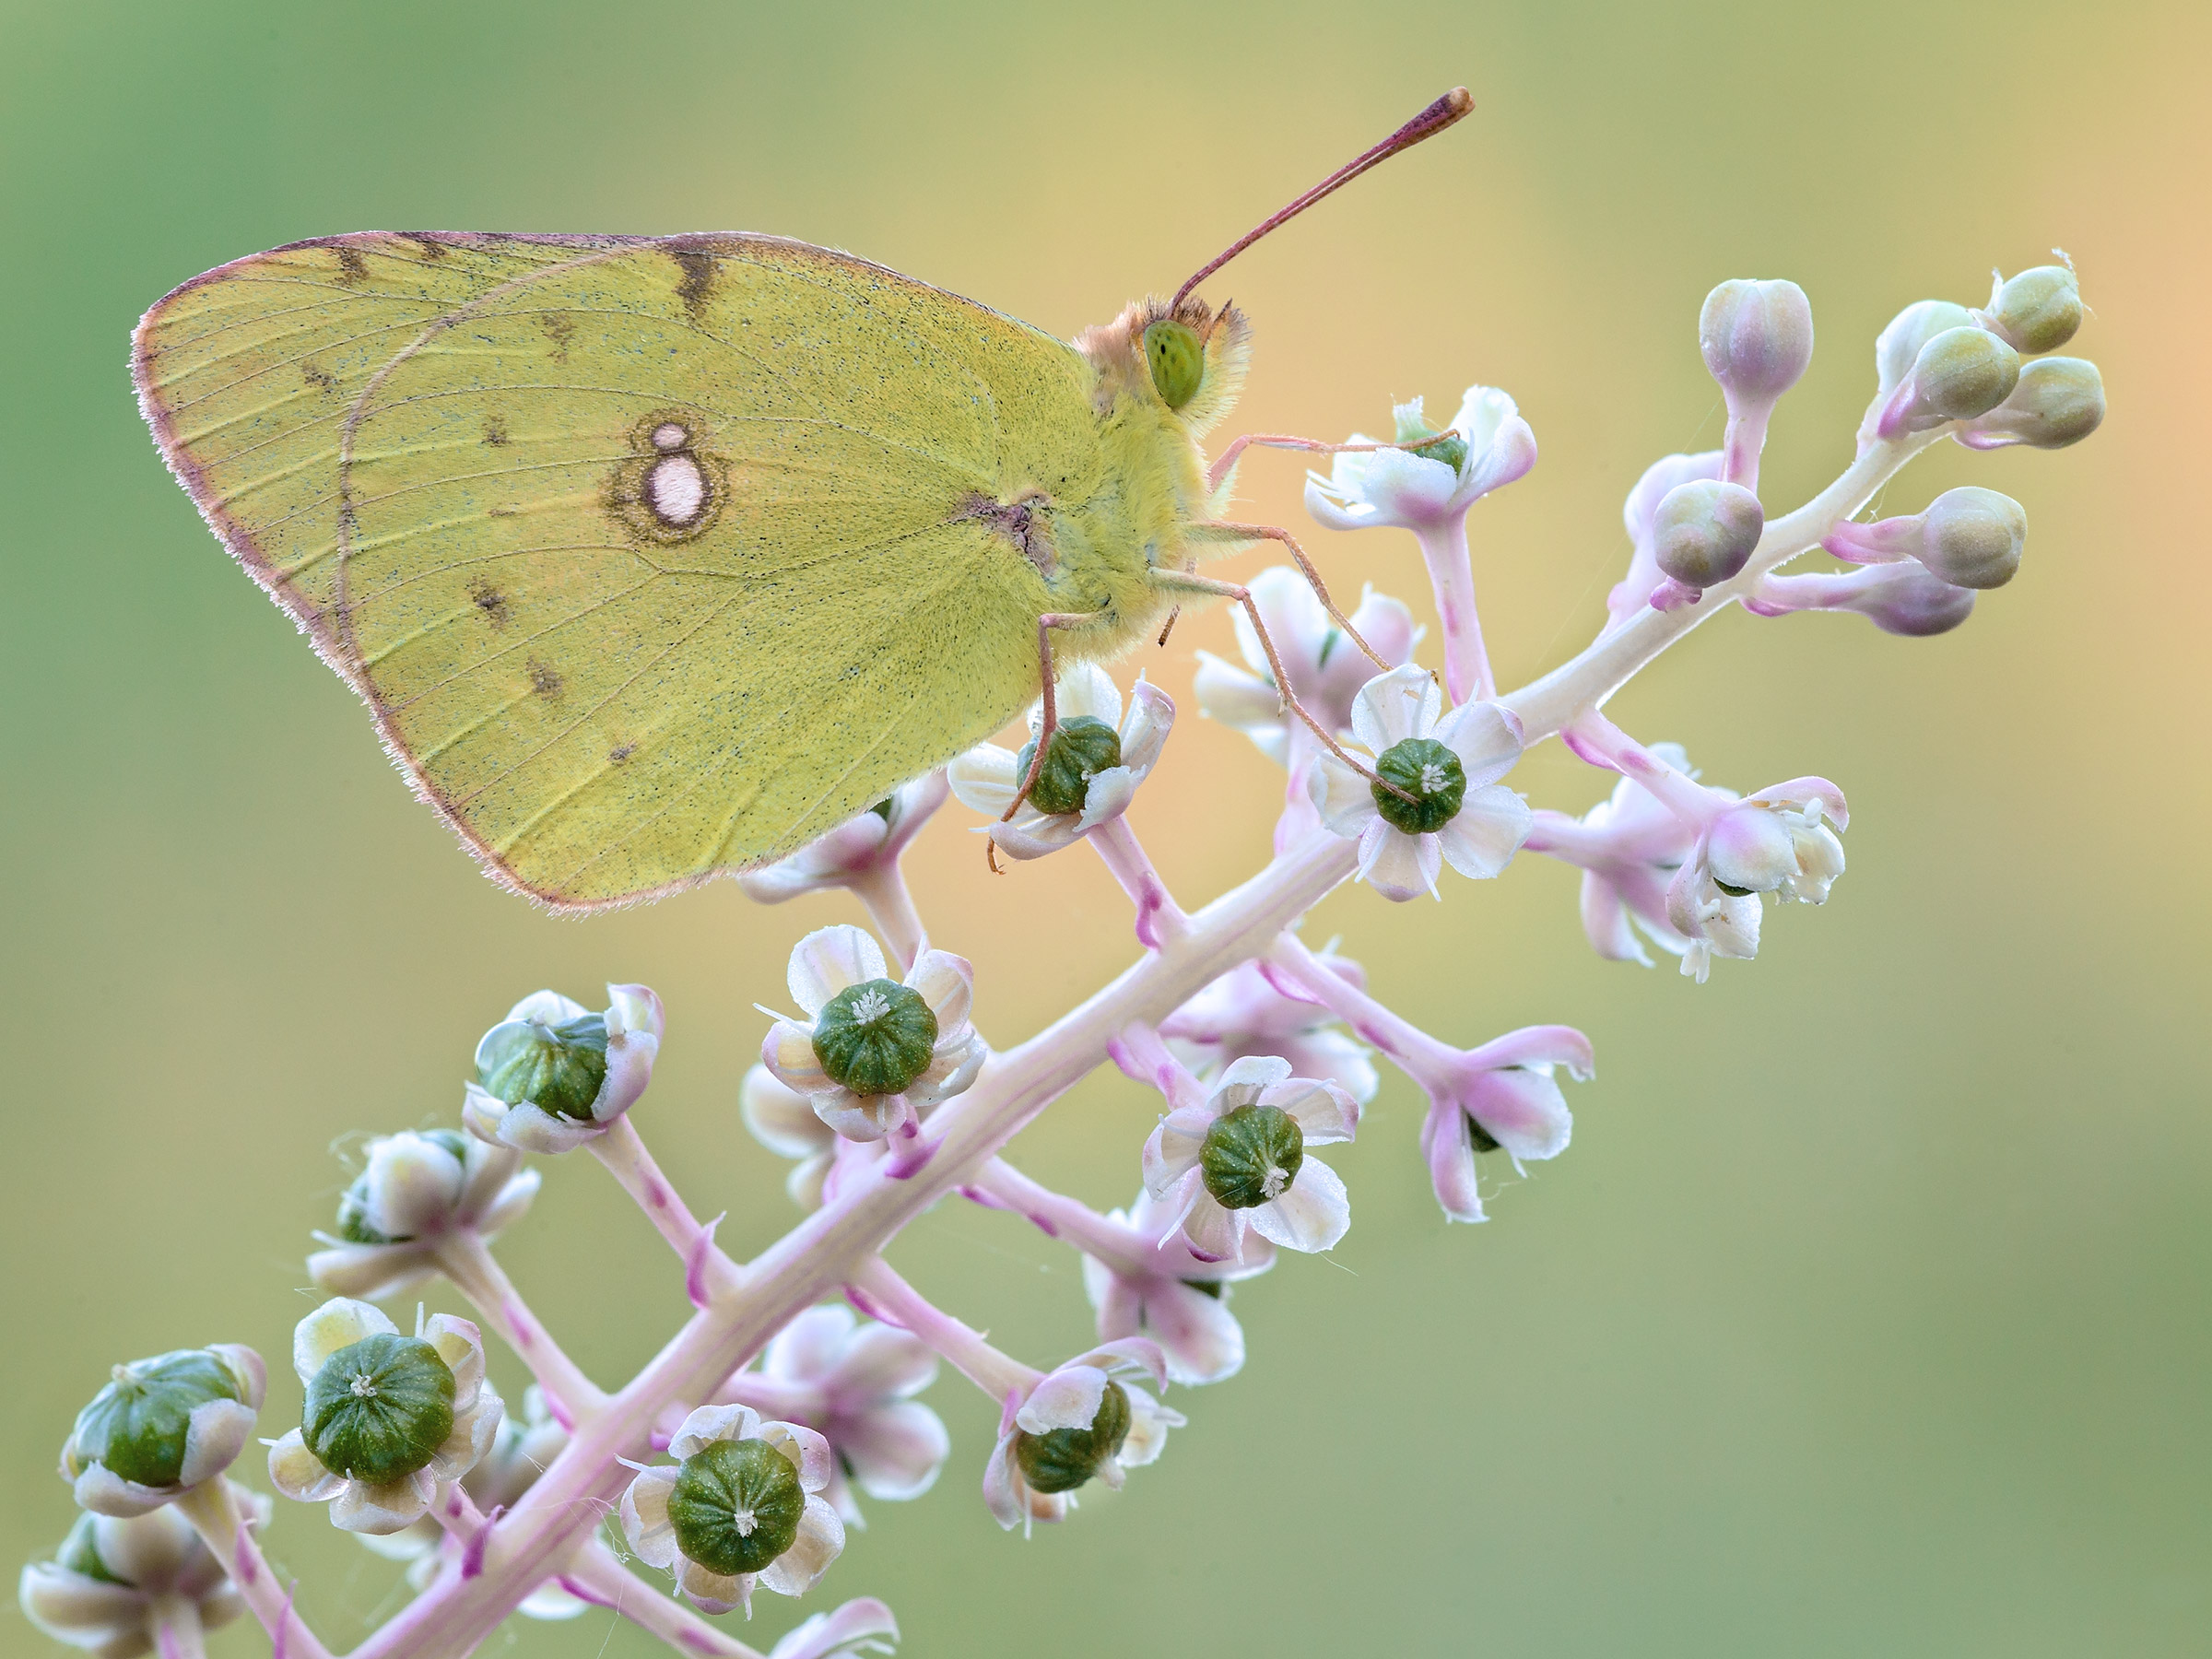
(1452, 574)
(175, 1623)
(710, 1272)
(1144, 1058)
(1411, 1049)
(467, 1262)
(1120, 1246)
(964, 1348)
(606, 1581)
(881, 890)
(1158, 917)
(215, 1515)
(1686, 798)
(774, 1397)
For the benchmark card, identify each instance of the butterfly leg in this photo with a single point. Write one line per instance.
(1228, 532)
(1048, 719)
(1311, 446)
(1187, 582)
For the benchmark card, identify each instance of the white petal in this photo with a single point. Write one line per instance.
(1488, 828)
(1397, 865)
(1254, 1072)
(337, 1323)
(781, 1118)
(389, 1508)
(946, 983)
(715, 1592)
(1068, 1398)
(529, 1127)
(1523, 1111)
(1450, 1156)
(984, 779)
(821, 1538)
(1395, 706)
(805, 1349)
(1214, 1233)
(1345, 799)
(1408, 488)
(1322, 1111)
(1107, 796)
(460, 1346)
(545, 1007)
(104, 1492)
(1172, 1151)
(896, 1450)
(1485, 737)
(1144, 733)
(828, 961)
(1311, 1216)
(711, 1423)
(645, 1518)
(214, 1435)
(299, 1473)
(880, 1362)
(80, 1611)
(1086, 690)
(805, 1449)
(1198, 1334)
(1228, 694)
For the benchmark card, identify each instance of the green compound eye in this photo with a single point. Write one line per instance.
(736, 1506)
(1177, 360)
(379, 1408)
(1060, 1460)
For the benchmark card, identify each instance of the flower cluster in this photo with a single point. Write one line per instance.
(778, 1411)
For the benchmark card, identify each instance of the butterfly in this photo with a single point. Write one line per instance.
(655, 558)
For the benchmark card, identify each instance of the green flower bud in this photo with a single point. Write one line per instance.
(1963, 372)
(1972, 538)
(1060, 1460)
(875, 1038)
(1082, 747)
(735, 1506)
(2037, 311)
(380, 1408)
(136, 1426)
(1430, 772)
(354, 1224)
(2059, 401)
(1251, 1156)
(79, 1552)
(558, 1067)
(1705, 531)
(1909, 330)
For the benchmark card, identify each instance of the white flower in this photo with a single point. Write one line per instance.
(1080, 1422)
(1326, 670)
(1397, 487)
(413, 1188)
(855, 1386)
(1182, 1305)
(123, 1456)
(388, 1505)
(722, 1515)
(783, 1120)
(987, 776)
(1396, 715)
(1239, 1160)
(633, 1029)
(863, 1032)
(106, 1586)
(853, 850)
(1774, 842)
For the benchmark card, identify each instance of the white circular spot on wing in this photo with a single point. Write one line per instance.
(675, 489)
(669, 435)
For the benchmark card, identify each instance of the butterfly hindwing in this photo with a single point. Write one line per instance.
(653, 558)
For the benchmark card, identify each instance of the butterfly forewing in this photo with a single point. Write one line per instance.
(653, 558)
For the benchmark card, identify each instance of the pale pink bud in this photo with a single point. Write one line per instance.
(1969, 538)
(1757, 338)
(1705, 532)
(2058, 401)
(2037, 311)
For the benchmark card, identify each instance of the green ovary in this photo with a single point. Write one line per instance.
(875, 1038)
(1060, 1460)
(380, 1408)
(1251, 1156)
(735, 1506)
(1429, 772)
(136, 1425)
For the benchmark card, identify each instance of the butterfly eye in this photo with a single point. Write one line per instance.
(1177, 362)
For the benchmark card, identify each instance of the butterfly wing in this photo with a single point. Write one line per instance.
(653, 558)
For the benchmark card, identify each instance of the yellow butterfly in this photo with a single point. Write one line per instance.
(657, 558)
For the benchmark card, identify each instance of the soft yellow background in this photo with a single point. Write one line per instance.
(1867, 1314)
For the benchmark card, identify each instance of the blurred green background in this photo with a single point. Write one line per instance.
(1868, 1314)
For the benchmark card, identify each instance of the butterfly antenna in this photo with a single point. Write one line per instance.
(1427, 124)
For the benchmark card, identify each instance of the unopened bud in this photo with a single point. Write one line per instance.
(2058, 401)
(1908, 599)
(2037, 311)
(1961, 373)
(1756, 338)
(161, 1425)
(1749, 851)
(1968, 537)
(1910, 329)
(1705, 532)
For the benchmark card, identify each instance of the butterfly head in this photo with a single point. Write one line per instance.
(1181, 357)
